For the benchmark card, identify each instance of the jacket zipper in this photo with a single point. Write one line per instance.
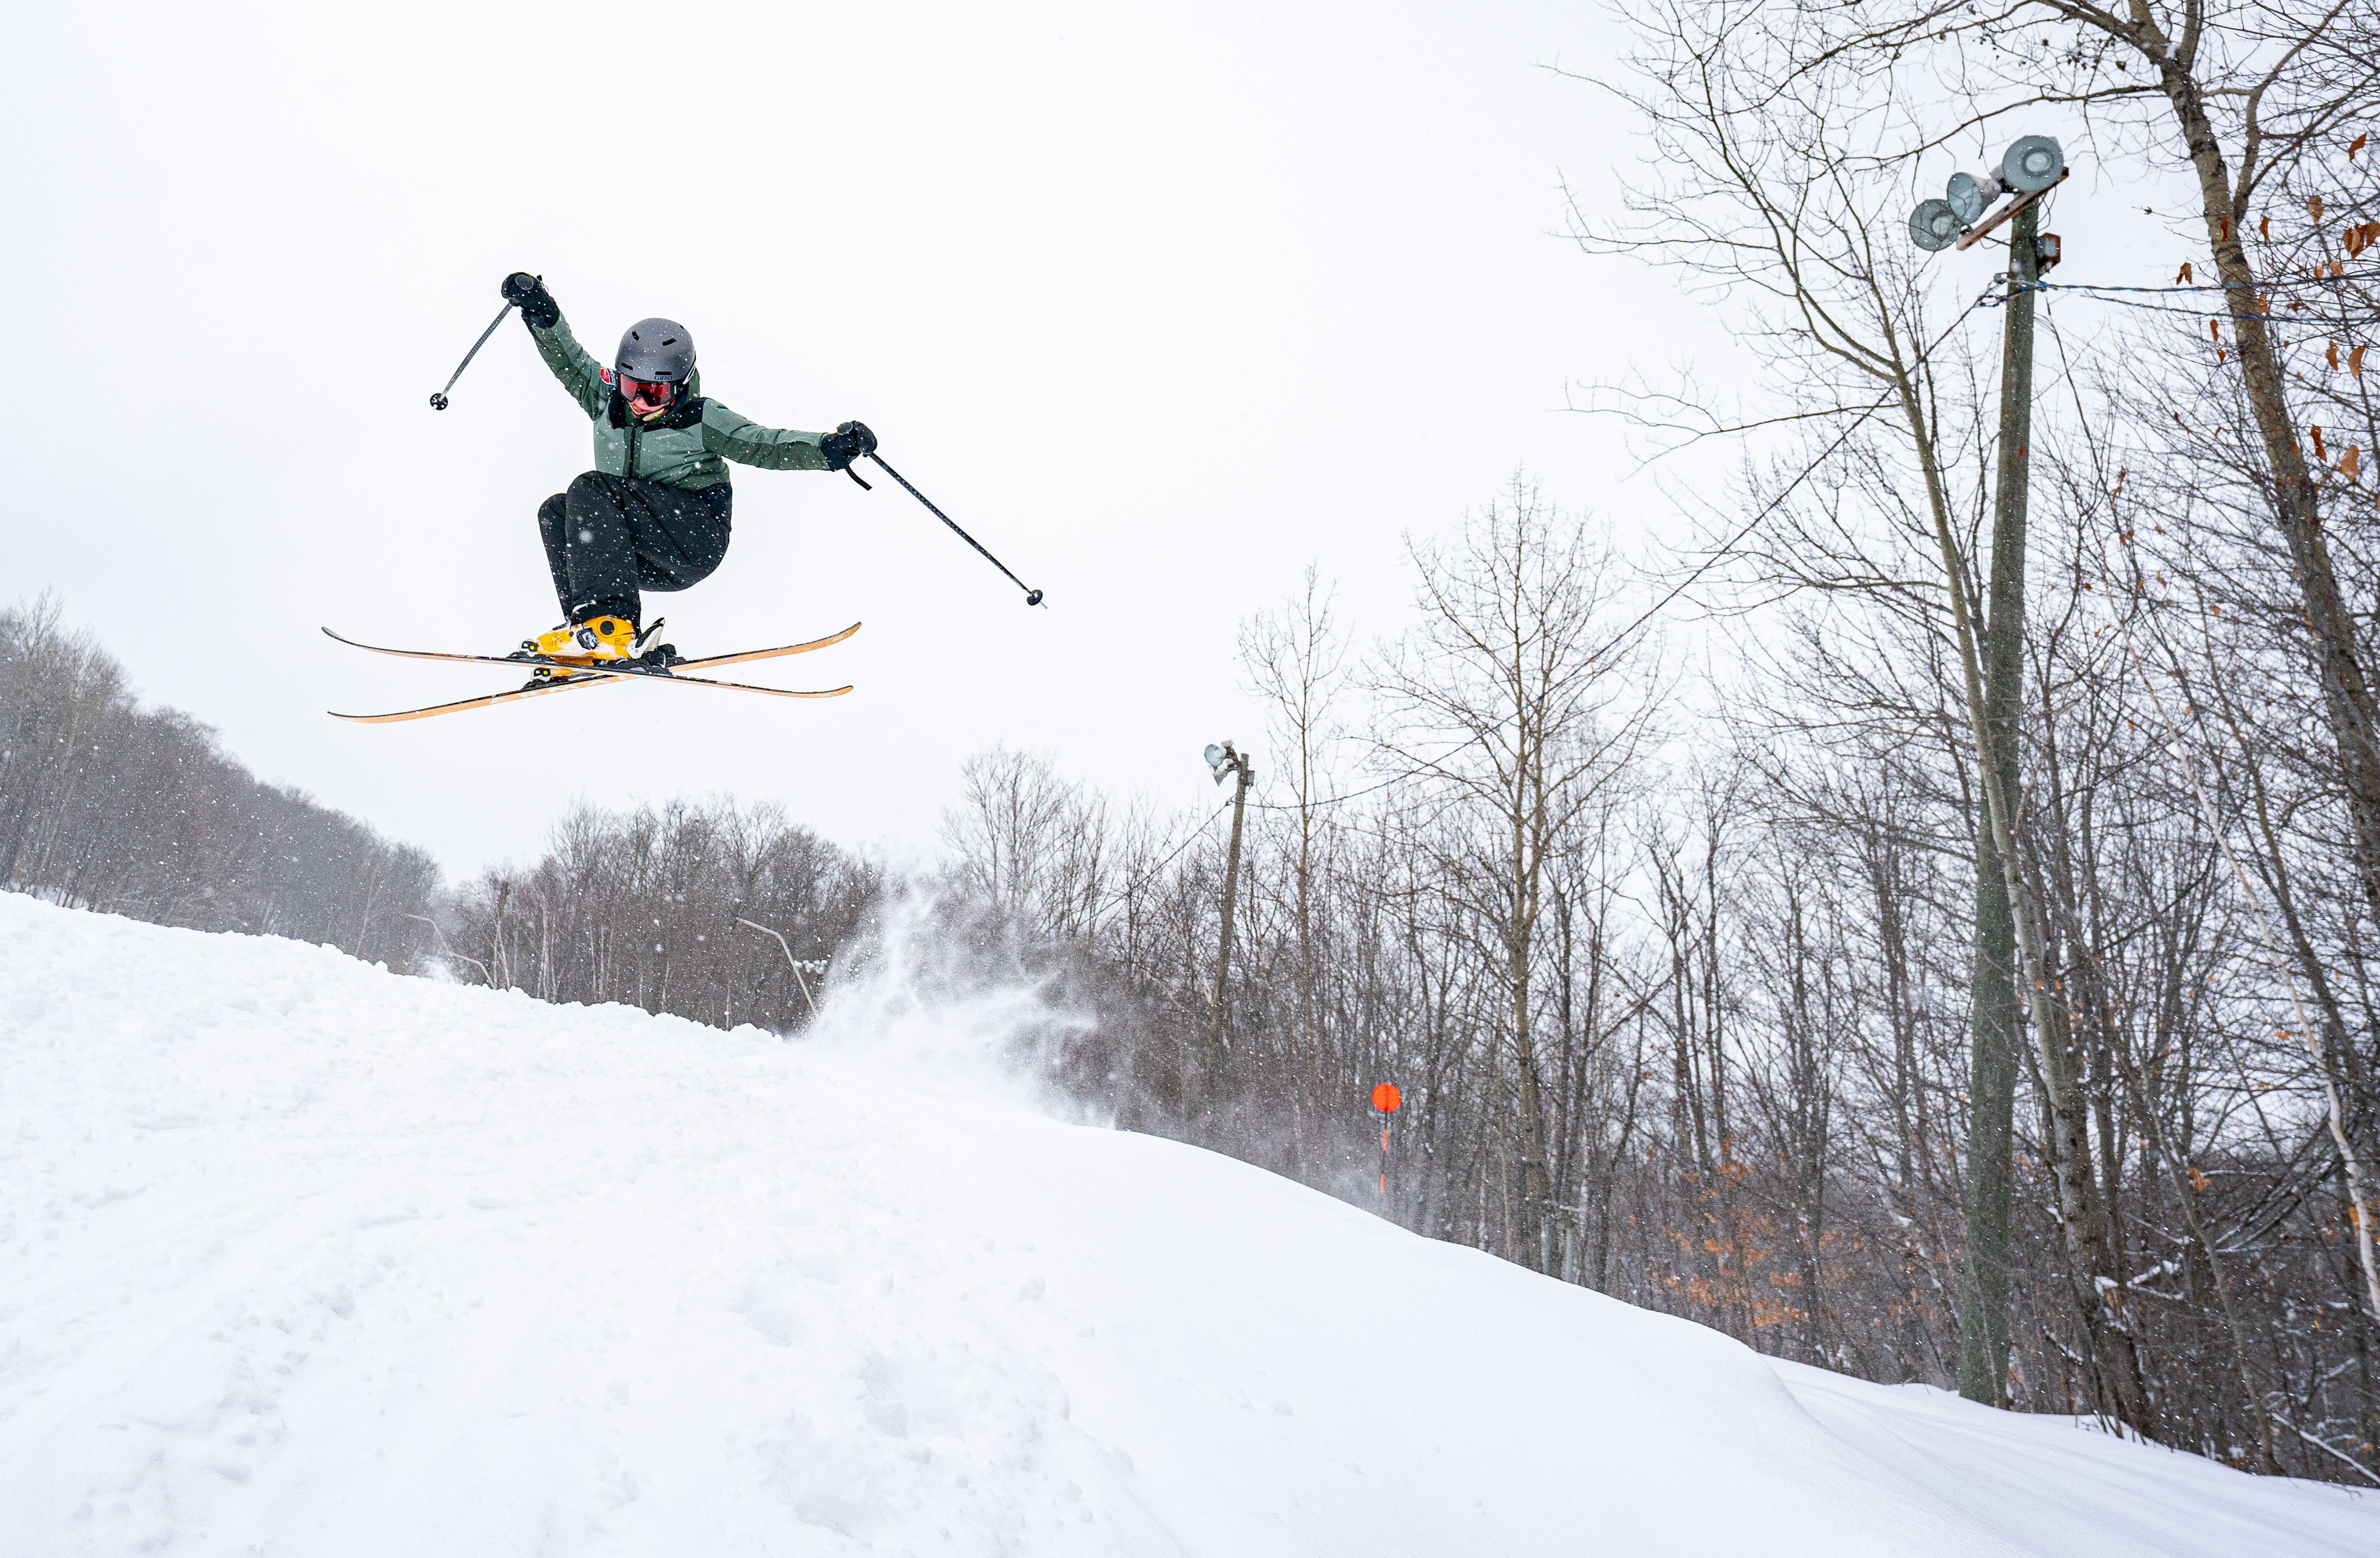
(631, 471)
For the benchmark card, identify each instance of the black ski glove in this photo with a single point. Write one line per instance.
(846, 444)
(537, 305)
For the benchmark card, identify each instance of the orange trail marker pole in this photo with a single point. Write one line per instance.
(1385, 1098)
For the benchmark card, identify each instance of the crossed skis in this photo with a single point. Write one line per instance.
(580, 675)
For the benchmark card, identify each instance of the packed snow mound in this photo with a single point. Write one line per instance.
(298, 1256)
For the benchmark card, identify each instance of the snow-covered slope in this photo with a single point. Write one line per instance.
(300, 1258)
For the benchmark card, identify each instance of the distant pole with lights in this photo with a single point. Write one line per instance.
(1227, 763)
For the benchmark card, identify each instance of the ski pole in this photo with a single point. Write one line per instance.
(1032, 596)
(438, 401)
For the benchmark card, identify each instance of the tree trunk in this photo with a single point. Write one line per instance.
(1536, 1189)
(2348, 703)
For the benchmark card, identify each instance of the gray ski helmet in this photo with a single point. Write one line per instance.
(659, 351)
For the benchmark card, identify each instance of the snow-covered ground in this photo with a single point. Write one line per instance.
(298, 1256)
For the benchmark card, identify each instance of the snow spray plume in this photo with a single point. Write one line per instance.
(933, 989)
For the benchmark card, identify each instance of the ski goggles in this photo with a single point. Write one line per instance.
(643, 393)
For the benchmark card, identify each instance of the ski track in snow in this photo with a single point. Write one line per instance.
(298, 1256)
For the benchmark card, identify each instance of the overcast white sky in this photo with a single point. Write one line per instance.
(1160, 303)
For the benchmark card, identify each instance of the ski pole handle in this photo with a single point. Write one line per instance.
(438, 401)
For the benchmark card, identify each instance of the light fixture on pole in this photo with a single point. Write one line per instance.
(1935, 225)
(2032, 166)
(1971, 196)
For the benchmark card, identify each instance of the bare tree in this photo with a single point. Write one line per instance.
(1297, 660)
(1510, 700)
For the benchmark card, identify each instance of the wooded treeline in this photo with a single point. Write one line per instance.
(702, 908)
(109, 806)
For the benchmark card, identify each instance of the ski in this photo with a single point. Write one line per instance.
(583, 678)
(535, 690)
(580, 675)
(736, 659)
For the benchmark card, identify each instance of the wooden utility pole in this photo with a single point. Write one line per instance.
(1226, 761)
(1999, 1016)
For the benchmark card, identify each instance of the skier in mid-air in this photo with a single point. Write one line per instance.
(653, 514)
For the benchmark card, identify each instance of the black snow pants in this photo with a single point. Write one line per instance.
(610, 536)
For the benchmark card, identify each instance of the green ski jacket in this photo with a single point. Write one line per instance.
(685, 447)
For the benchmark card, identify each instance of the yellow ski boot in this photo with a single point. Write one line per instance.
(592, 643)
